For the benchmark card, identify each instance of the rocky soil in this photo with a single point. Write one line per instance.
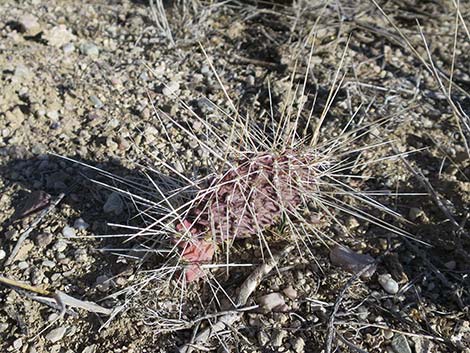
(97, 81)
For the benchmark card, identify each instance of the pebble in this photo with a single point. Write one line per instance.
(23, 265)
(30, 24)
(388, 284)
(3, 327)
(49, 263)
(171, 88)
(415, 213)
(290, 292)
(68, 48)
(58, 36)
(81, 255)
(298, 345)
(89, 49)
(60, 246)
(114, 204)
(271, 301)
(18, 343)
(69, 232)
(103, 283)
(22, 72)
(3, 254)
(400, 344)
(56, 334)
(44, 239)
(97, 103)
(351, 261)
(80, 224)
(278, 337)
(89, 349)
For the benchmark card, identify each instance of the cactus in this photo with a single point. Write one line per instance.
(245, 200)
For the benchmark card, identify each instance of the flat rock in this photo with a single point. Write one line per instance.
(56, 335)
(351, 261)
(400, 344)
(271, 301)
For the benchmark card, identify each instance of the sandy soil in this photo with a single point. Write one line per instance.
(81, 80)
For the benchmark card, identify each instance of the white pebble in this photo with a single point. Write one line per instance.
(3, 254)
(18, 343)
(23, 265)
(388, 284)
(60, 246)
(69, 232)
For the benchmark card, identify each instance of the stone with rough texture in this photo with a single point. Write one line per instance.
(271, 301)
(56, 335)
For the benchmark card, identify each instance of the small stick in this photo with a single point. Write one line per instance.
(26, 233)
(246, 289)
(62, 300)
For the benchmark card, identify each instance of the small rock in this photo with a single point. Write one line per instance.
(49, 263)
(415, 213)
(80, 224)
(388, 284)
(24, 251)
(69, 232)
(351, 261)
(3, 327)
(171, 88)
(22, 72)
(18, 343)
(56, 334)
(290, 292)
(271, 301)
(97, 103)
(400, 344)
(44, 239)
(3, 254)
(388, 334)
(89, 349)
(89, 49)
(23, 265)
(53, 115)
(451, 265)
(81, 255)
(30, 25)
(60, 246)
(58, 36)
(298, 345)
(114, 204)
(103, 283)
(68, 48)
(278, 337)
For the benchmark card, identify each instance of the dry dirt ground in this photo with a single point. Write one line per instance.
(81, 79)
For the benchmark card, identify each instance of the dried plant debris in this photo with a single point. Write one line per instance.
(212, 136)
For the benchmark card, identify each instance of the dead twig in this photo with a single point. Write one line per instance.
(246, 289)
(33, 225)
